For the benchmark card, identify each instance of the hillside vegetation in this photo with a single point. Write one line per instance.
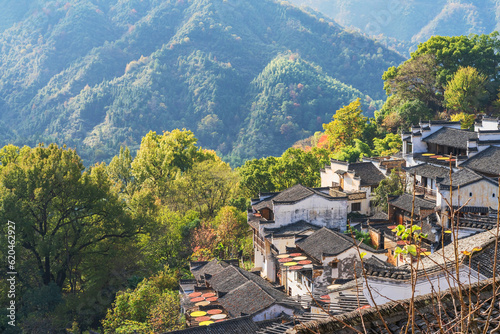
(249, 78)
(411, 22)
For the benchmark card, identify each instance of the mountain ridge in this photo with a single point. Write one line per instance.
(100, 74)
(410, 22)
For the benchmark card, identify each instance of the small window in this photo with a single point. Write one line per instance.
(470, 194)
(356, 207)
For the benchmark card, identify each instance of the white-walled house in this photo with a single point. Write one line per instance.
(474, 162)
(279, 219)
(472, 193)
(394, 283)
(332, 255)
(231, 288)
(432, 141)
(357, 180)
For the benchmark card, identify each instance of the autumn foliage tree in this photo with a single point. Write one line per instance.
(231, 228)
(466, 92)
(347, 125)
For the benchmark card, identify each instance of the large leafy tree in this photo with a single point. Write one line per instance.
(393, 185)
(161, 158)
(466, 91)
(297, 166)
(206, 188)
(62, 211)
(479, 51)
(255, 176)
(353, 153)
(152, 307)
(390, 144)
(347, 125)
(413, 80)
(426, 74)
(231, 228)
(279, 173)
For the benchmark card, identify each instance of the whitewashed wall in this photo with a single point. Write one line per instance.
(384, 291)
(483, 192)
(272, 312)
(316, 210)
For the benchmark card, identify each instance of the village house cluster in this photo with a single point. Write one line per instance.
(308, 266)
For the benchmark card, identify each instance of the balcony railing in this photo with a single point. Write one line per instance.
(430, 193)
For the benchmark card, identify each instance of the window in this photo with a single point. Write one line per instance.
(356, 207)
(470, 194)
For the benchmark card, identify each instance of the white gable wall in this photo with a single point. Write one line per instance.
(386, 290)
(484, 194)
(282, 242)
(316, 210)
(328, 177)
(272, 312)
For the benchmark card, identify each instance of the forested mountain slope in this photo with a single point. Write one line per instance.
(97, 74)
(412, 21)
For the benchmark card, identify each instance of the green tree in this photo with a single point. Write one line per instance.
(392, 185)
(415, 79)
(466, 120)
(153, 306)
(120, 171)
(412, 112)
(167, 241)
(390, 144)
(231, 229)
(255, 176)
(61, 211)
(425, 75)
(297, 166)
(353, 153)
(206, 187)
(466, 91)
(478, 51)
(348, 124)
(161, 158)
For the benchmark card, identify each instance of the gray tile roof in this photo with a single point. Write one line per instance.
(464, 177)
(379, 216)
(291, 229)
(233, 278)
(199, 269)
(487, 161)
(435, 313)
(241, 325)
(404, 202)
(367, 172)
(482, 260)
(253, 220)
(291, 195)
(451, 137)
(328, 242)
(429, 171)
(227, 279)
(247, 298)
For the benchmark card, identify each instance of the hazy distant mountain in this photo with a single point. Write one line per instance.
(412, 21)
(248, 77)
